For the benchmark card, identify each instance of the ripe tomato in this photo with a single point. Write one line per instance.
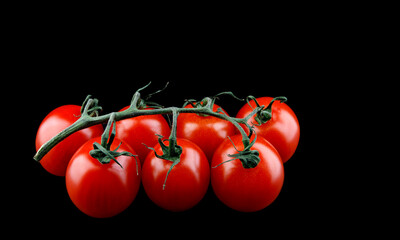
(187, 182)
(57, 159)
(207, 132)
(102, 190)
(247, 189)
(282, 130)
(142, 129)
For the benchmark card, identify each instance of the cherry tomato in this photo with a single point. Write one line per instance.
(187, 182)
(207, 132)
(102, 190)
(57, 159)
(142, 129)
(282, 130)
(247, 189)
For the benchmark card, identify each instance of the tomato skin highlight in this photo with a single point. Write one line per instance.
(282, 130)
(142, 129)
(56, 160)
(207, 132)
(251, 189)
(102, 190)
(187, 182)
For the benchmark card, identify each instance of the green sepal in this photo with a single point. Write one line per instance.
(143, 103)
(249, 158)
(103, 153)
(170, 153)
(106, 155)
(265, 114)
(90, 106)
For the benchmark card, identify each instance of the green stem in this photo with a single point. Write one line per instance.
(86, 121)
(172, 137)
(174, 151)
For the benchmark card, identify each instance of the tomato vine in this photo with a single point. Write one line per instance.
(90, 117)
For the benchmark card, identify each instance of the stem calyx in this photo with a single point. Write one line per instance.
(90, 106)
(144, 103)
(102, 152)
(172, 153)
(265, 114)
(249, 158)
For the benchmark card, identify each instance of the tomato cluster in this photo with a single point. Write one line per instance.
(208, 153)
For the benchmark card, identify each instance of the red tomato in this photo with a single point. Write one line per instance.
(102, 190)
(247, 189)
(187, 182)
(282, 130)
(142, 129)
(57, 159)
(207, 132)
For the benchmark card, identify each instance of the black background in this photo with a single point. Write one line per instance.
(310, 62)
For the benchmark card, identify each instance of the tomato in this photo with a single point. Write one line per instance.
(205, 131)
(102, 190)
(56, 160)
(247, 189)
(187, 182)
(282, 130)
(142, 129)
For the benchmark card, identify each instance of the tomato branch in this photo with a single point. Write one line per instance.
(86, 120)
